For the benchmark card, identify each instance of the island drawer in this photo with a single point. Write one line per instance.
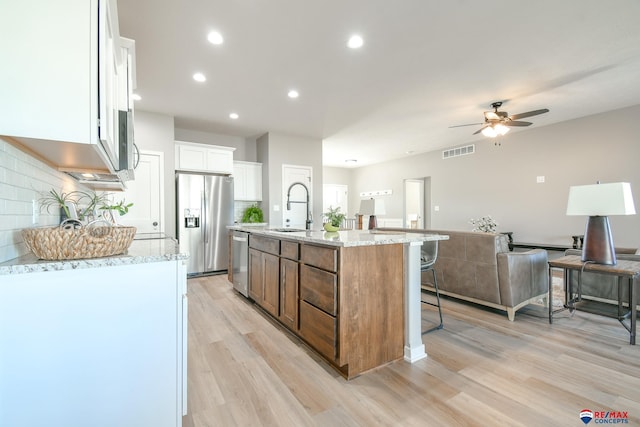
(319, 288)
(319, 256)
(289, 250)
(264, 244)
(318, 329)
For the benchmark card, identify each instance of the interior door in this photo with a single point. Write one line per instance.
(296, 215)
(146, 193)
(414, 203)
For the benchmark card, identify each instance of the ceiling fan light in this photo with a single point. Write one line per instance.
(490, 132)
(501, 129)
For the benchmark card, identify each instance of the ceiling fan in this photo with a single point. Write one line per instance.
(498, 122)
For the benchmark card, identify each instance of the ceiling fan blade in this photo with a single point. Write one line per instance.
(480, 130)
(529, 114)
(514, 123)
(469, 124)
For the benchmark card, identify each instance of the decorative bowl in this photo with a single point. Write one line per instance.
(328, 227)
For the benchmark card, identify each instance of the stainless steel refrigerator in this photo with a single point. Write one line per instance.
(204, 210)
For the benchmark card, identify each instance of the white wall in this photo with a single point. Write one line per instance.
(501, 180)
(275, 150)
(22, 179)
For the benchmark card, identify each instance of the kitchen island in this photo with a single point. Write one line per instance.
(98, 342)
(353, 296)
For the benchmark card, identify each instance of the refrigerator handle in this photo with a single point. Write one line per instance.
(204, 217)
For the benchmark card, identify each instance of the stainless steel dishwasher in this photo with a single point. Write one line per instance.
(241, 262)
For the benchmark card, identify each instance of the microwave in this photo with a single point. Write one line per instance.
(126, 147)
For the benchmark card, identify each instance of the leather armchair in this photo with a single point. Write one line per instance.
(523, 276)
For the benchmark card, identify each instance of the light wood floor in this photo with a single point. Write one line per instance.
(481, 370)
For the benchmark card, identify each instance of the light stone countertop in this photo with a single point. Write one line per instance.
(140, 252)
(347, 238)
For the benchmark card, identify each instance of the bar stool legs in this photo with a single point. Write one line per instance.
(435, 285)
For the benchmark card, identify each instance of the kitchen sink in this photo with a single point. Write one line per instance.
(287, 230)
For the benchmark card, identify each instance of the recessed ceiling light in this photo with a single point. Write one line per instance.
(293, 94)
(409, 152)
(215, 37)
(233, 116)
(199, 77)
(355, 42)
(136, 97)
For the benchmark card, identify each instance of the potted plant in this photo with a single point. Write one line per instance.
(334, 219)
(252, 214)
(63, 202)
(122, 208)
(88, 203)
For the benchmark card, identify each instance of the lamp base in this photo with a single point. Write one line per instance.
(373, 222)
(598, 243)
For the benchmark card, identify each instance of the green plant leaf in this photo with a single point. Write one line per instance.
(252, 214)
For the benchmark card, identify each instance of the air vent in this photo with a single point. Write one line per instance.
(459, 151)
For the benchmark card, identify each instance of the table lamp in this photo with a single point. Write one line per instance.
(598, 201)
(372, 207)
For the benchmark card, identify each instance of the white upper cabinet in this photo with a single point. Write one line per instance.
(63, 73)
(195, 157)
(127, 74)
(247, 181)
(110, 65)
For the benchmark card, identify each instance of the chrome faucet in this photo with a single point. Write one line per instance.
(309, 220)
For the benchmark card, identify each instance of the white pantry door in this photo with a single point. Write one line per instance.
(296, 217)
(146, 193)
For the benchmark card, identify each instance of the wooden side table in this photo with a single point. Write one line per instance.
(623, 269)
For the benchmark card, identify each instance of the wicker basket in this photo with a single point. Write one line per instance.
(64, 243)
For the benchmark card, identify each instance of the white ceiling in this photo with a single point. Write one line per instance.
(425, 66)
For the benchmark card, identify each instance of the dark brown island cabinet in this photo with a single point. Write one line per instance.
(345, 302)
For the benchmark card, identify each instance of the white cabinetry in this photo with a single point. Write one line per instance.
(109, 62)
(127, 74)
(94, 346)
(204, 158)
(61, 66)
(247, 181)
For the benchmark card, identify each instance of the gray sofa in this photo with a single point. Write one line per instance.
(603, 287)
(478, 267)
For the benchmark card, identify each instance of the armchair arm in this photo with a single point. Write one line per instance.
(522, 276)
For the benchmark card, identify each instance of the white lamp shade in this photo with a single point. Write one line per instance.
(372, 207)
(601, 200)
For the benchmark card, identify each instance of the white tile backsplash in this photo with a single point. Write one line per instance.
(22, 179)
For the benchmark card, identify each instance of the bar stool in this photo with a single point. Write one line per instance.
(428, 256)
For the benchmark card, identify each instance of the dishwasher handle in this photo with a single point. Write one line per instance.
(239, 239)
